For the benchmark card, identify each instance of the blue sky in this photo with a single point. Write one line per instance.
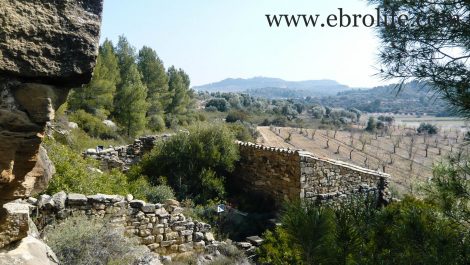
(216, 39)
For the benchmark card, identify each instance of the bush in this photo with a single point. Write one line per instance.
(76, 174)
(230, 255)
(371, 125)
(244, 131)
(211, 109)
(195, 163)
(156, 123)
(141, 188)
(79, 240)
(235, 116)
(411, 231)
(280, 121)
(92, 125)
(221, 104)
(427, 128)
(278, 250)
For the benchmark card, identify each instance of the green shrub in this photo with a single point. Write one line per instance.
(244, 131)
(278, 250)
(156, 123)
(236, 115)
(411, 231)
(78, 140)
(141, 188)
(79, 240)
(427, 128)
(195, 163)
(221, 104)
(76, 174)
(92, 125)
(371, 125)
(211, 109)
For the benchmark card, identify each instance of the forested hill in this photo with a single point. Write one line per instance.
(413, 97)
(275, 87)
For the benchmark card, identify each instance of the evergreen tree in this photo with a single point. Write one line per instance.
(434, 49)
(156, 80)
(179, 88)
(126, 55)
(371, 125)
(97, 96)
(130, 104)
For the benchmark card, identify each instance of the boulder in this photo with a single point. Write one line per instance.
(255, 240)
(77, 199)
(29, 251)
(148, 208)
(208, 236)
(171, 202)
(59, 200)
(14, 223)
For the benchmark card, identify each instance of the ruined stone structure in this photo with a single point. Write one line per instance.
(47, 47)
(161, 227)
(284, 174)
(122, 157)
(276, 173)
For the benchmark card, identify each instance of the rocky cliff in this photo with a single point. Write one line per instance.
(47, 47)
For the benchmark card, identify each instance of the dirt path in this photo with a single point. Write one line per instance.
(269, 138)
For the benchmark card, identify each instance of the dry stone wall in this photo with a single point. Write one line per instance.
(285, 174)
(122, 157)
(161, 227)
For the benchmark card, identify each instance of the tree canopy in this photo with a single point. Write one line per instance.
(434, 46)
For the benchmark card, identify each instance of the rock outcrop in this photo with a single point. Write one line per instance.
(29, 251)
(47, 47)
(49, 41)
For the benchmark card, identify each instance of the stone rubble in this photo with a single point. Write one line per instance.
(122, 157)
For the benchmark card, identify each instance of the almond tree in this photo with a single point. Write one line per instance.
(396, 140)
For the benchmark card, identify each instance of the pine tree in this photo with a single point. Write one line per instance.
(130, 104)
(179, 88)
(156, 80)
(97, 96)
(126, 54)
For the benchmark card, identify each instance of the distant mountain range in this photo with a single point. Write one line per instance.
(275, 87)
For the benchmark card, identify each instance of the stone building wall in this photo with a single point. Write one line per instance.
(161, 227)
(285, 174)
(269, 171)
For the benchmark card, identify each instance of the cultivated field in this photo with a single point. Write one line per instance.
(400, 151)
